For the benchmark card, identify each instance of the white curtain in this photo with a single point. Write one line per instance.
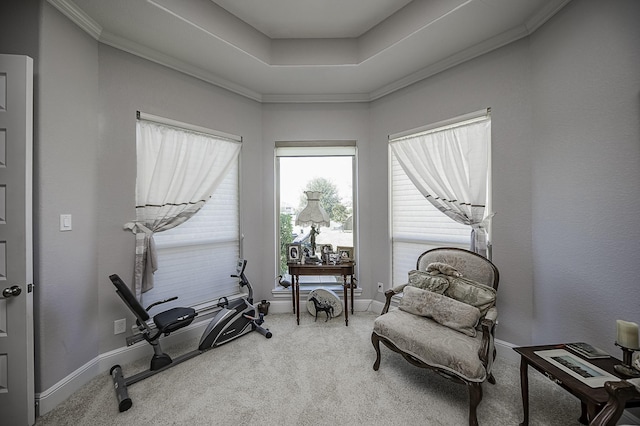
(177, 172)
(450, 169)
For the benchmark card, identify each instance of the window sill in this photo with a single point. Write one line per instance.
(285, 293)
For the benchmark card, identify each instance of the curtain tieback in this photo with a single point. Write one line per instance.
(145, 244)
(137, 228)
(484, 223)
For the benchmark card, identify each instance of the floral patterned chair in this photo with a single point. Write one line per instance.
(445, 320)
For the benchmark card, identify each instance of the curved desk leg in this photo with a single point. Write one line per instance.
(296, 280)
(352, 285)
(346, 301)
(293, 293)
(524, 389)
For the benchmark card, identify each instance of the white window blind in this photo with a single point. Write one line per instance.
(198, 256)
(416, 224)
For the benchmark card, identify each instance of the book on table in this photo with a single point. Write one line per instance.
(586, 350)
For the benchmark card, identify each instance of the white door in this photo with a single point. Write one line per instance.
(16, 249)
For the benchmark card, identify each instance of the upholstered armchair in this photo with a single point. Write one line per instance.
(619, 393)
(445, 320)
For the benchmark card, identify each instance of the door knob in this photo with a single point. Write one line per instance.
(13, 291)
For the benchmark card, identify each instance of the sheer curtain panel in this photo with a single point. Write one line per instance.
(450, 168)
(177, 172)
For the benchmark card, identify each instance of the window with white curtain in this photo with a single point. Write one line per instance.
(196, 258)
(416, 224)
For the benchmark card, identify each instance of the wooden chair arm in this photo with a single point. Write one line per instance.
(619, 394)
(487, 351)
(389, 294)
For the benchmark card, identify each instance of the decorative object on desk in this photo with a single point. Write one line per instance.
(627, 340)
(263, 307)
(582, 370)
(345, 254)
(284, 283)
(326, 251)
(586, 350)
(294, 253)
(626, 369)
(627, 334)
(324, 295)
(322, 306)
(313, 214)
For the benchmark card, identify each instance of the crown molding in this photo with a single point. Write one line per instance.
(453, 60)
(176, 64)
(317, 98)
(543, 15)
(80, 18)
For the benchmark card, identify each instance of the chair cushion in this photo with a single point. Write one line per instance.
(433, 344)
(444, 310)
(471, 292)
(427, 281)
(174, 319)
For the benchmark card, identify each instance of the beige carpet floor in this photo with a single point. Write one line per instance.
(317, 373)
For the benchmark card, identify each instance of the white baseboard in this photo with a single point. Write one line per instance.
(56, 394)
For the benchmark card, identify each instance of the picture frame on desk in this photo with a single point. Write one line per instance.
(577, 367)
(294, 253)
(345, 254)
(326, 251)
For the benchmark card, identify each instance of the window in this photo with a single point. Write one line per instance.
(417, 224)
(325, 166)
(196, 258)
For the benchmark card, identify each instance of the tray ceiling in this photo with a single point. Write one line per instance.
(309, 50)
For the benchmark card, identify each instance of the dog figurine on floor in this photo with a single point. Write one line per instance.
(322, 306)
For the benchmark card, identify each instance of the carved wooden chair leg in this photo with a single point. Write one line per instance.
(475, 396)
(376, 345)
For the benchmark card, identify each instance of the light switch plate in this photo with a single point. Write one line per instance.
(65, 222)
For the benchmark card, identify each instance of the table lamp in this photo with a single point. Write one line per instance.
(313, 214)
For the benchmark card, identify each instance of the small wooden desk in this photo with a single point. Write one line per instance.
(343, 269)
(592, 400)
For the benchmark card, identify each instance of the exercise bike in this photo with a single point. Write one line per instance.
(234, 319)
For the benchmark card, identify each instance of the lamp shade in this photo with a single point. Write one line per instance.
(313, 213)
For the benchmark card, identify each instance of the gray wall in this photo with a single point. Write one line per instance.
(66, 160)
(586, 172)
(565, 108)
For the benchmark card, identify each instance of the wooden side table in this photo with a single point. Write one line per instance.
(343, 269)
(592, 400)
